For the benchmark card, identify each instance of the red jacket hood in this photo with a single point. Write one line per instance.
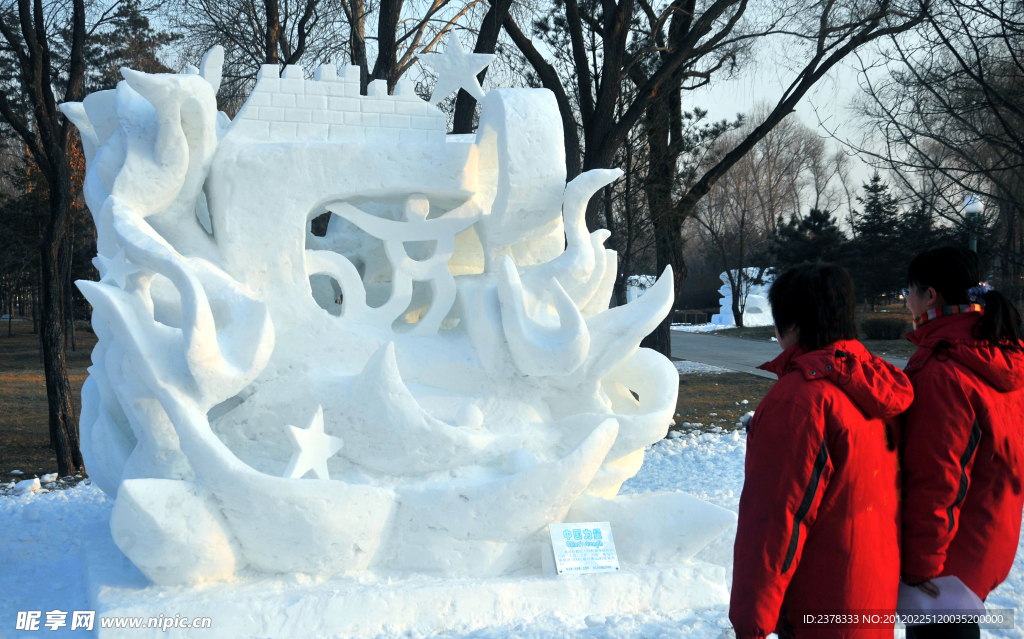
(880, 389)
(953, 336)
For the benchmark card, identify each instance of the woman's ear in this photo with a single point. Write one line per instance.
(788, 337)
(934, 298)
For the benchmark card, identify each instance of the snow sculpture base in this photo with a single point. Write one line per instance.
(368, 605)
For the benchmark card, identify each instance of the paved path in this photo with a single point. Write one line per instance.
(734, 353)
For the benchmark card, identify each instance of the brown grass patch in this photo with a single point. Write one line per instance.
(701, 394)
(24, 416)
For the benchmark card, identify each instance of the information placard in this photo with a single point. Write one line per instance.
(584, 548)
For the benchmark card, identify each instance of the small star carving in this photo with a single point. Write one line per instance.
(115, 270)
(456, 70)
(313, 448)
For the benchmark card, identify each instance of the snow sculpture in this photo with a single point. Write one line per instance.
(637, 285)
(425, 387)
(758, 310)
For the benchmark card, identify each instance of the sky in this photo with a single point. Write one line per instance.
(826, 107)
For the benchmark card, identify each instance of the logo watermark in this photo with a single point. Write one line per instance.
(33, 620)
(991, 619)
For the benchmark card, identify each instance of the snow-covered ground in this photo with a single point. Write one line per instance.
(40, 566)
(688, 368)
(40, 553)
(698, 328)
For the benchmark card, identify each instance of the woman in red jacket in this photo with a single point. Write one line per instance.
(962, 447)
(818, 522)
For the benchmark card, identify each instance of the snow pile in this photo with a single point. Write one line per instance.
(707, 624)
(698, 328)
(26, 486)
(40, 551)
(689, 368)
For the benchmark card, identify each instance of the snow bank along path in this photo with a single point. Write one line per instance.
(40, 565)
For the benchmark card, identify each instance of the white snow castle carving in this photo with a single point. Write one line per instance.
(424, 387)
(757, 310)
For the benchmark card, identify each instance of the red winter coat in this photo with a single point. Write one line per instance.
(962, 455)
(819, 513)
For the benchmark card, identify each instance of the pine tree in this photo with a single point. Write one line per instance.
(920, 231)
(129, 40)
(814, 238)
(878, 251)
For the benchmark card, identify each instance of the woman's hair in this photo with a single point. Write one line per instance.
(951, 271)
(818, 300)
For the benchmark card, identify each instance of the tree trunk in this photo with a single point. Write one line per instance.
(668, 253)
(357, 42)
(486, 42)
(273, 32)
(668, 226)
(625, 249)
(737, 310)
(69, 292)
(35, 309)
(599, 158)
(385, 68)
(56, 264)
(71, 316)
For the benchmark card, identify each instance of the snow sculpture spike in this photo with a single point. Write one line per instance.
(211, 68)
(454, 301)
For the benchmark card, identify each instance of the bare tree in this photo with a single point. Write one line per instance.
(945, 107)
(682, 47)
(486, 42)
(627, 215)
(255, 32)
(41, 79)
(733, 219)
(825, 173)
(312, 32)
(789, 171)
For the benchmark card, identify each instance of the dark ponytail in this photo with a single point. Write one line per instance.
(1000, 324)
(952, 272)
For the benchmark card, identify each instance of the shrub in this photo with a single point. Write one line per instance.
(885, 328)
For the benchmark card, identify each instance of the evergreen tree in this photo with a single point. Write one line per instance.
(128, 40)
(878, 262)
(814, 238)
(919, 232)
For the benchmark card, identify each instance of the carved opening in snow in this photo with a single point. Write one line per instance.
(386, 261)
(166, 300)
(203, 212)
(318, 225)
(224, 407)
(420, 251)
(327, 293)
